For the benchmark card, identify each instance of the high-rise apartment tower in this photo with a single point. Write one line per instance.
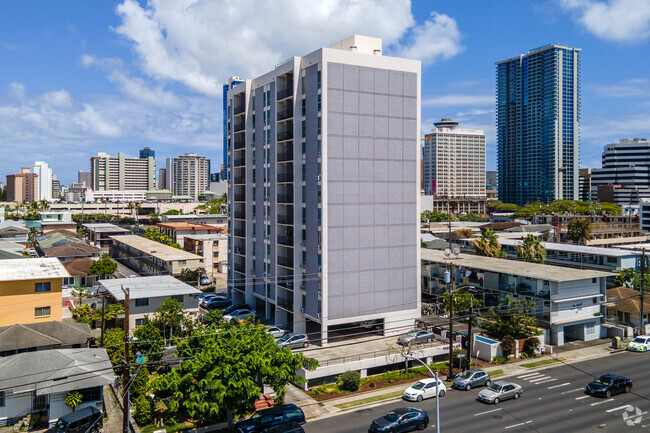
(188, 175)
(110, 173)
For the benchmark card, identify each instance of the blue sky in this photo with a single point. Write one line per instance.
(78, 78)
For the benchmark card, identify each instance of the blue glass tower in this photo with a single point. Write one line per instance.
(537, 120)
(146, 152)
(232, 82)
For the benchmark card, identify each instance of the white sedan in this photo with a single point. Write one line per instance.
(425, 388)
(276, 331)
(236, 315)
(640, 344)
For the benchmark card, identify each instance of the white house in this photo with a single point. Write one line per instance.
(38, 382)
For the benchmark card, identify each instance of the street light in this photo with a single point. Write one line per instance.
(435, 375)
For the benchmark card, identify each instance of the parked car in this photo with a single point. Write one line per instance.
(204, 280)
(216, 303)
(236, 315)
(205, 297)
(293, 341)
(639, 344)
(233, 307)
(500, 391)
(425, 388)
(421, 336)
(291, 427)
(400, 420)
(609, 384)
(86, 420)
(471, 379)
(276, 331)
(274, 416)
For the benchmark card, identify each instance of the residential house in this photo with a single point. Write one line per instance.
(33, 337)
(178, 230)
(68, 252)
(14, 231)
(624, 306)
(57, 220)
(38, 382)
(99, 234)
(11, 250)
(30, 290)
(149, 257)
(146, 294)
(78, 270)
(57, 238)
(566, 300)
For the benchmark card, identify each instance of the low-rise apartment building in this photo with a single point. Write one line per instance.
(149, 257)
(178, 230)
(209, 219)
(146, 294)
(566, 300)
(30, 290)
(213, 248)
(100, 234)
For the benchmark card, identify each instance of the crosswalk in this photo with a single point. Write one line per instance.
(538, 378)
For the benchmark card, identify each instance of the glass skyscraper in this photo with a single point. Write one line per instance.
(538, 115)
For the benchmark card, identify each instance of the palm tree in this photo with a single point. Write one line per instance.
(488, 244)
(531, 250)
(43, 205)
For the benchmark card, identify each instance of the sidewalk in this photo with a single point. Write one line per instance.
(317, 410)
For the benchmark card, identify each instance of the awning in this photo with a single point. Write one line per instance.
(577, 298)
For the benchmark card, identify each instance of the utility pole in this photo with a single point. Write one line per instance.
(126, 376)
(450, 374)
(469, 331)
(641, 330)
(101, 295)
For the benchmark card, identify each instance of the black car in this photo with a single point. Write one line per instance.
(400, 420)
(291, 427)
(609, 384)
(86, 420)
(274, 416)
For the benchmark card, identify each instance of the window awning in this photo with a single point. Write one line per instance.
(577, 298)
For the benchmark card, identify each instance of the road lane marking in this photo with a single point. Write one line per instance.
(619, 408)
(561, 385)
(488, 411)
(546, 381)
(573, 390)
(528, 375)
(537, 379)
(517, 425)
(584, 396)
(601, 402)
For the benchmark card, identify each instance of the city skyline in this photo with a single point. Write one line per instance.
(122, 75)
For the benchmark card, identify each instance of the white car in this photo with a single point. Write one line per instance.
(276, 331)
(425, 388)
(640, 344)
(242, 314)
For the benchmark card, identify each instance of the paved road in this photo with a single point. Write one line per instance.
(553, 402)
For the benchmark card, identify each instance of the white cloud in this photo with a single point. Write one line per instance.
(200, 43)
(612, 20)
(632, 88)
(93, 122)
(438, 37)
(57, 98)
(458, 99)
(16, 90)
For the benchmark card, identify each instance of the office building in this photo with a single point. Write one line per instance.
(110, 173)
(538, 114)
(625, 174)
(188, 175)
(232, 82)
(44, 180)
(323, 188)
(147, 152)
(56, 188)
(454, 161)
(22, 187)
(84, 178)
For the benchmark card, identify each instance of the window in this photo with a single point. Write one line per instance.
(142, 302)
(182, 262)
(179, 298)
(68, 281)
(91, 394)
(139, 322)
(2, 398)
(42, 311)
(42, 287)
(589, 328)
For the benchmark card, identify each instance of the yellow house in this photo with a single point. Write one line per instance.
(30, 290)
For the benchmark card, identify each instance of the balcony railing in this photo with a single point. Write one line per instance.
(240, 250)
(285, 135)
(285, 198)
(285, 219)
(285, 93)
(285, 283)
(239, 163)
(285, 177)
(285, 156)
(240, 197)
(240, 215)
(240, 180)
(238, 109)
(285, 261)
(285, 303)
(239, 142)
(284, 240)
(240, 268)
(239, 126)
(240, 233)
(285, 114)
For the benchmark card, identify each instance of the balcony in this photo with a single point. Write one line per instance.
(239, 267)
(286, 93)
(285, 282)
(285, 114)
(285, 304)
(285, 240)
(238, 109)
(287, 262)
(285, 219)
(239, 163)
(239, 126)
(240, 197)
(239, 180)
(285, 178)
(240, 233)
(239, 142)
(285, 135)
(240, 215)
(240, 250)
(286, 156)
(285, 198)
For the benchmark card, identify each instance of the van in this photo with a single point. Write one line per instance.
(269, 418)
(86, 420)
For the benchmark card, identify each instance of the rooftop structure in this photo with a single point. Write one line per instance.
(33, 269)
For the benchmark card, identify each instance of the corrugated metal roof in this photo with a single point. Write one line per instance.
(147, 287)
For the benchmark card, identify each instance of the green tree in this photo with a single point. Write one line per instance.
(463, 300)
(631, 278)
(104, 267)
(155, 234)
(148, 340)
(80, 293)
(579, 231)
(472, 217)
(227, 372)
(508, 345)
(73, 399)
(173, 212)
(531, 250)
(169, 317)
(511, 317)
(488, 244)
(215, 206)
(114, 343)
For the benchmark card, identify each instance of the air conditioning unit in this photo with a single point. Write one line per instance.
(302, 309)
(319, 246)
(320, 294)
(267, 237)
(318, 315)
(264, 274)
(318, 178)
(320, 269)
(302, 243)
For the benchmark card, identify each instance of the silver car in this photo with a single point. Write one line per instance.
(276, 331)
(293, 341)
(499, 391)
(421, 336)
(472, 379)
(236, 315)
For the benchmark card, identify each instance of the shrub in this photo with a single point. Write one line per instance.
(142, 413)
(498, 360)
(350, 380)
(531, 347)
(508, 345)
